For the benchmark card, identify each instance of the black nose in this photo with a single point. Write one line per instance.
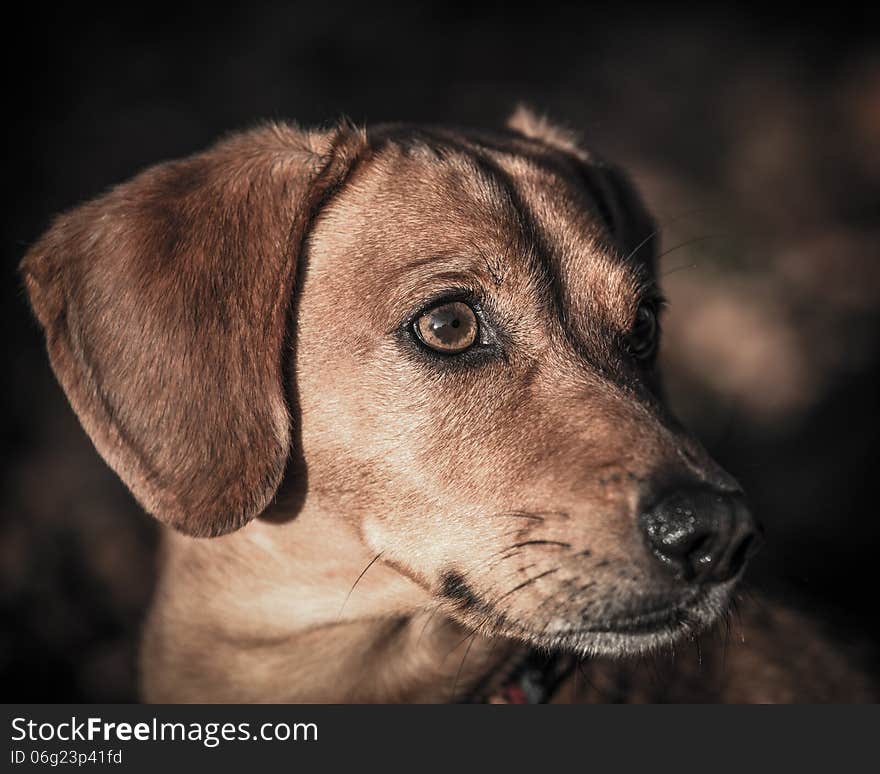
(701, 534)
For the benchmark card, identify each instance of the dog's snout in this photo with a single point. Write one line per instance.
(701, 535)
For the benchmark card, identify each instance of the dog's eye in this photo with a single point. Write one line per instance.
(449, 328)
(643, 337)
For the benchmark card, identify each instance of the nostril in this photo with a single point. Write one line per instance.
(747, 548)
(703, 557)
(695, 557)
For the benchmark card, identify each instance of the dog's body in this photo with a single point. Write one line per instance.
(405, 381)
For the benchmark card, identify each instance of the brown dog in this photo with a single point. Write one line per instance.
(405, 380)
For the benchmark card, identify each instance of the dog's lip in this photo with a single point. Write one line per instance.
(673, 615)
(646, 623)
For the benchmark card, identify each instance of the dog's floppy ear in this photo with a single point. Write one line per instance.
(615, 197)
(165, 303)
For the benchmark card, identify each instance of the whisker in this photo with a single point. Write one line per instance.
(363, 572)
(476, 630)
(599, 692)
(461, 665)
(667, 222)
(528, 582)
(742, 632)
(516, 548)
(530, 516)
(693, 241)
(498, 557)
(727, 624)
(680, 268)
(522, 515)
(641, 244)
(542, 543)
(431, 615)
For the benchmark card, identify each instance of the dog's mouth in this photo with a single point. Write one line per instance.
(645, 623)
(642, 625)
(676, 615)
(536, 675)
(646, 629)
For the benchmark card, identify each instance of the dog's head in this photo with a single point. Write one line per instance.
(450, 337)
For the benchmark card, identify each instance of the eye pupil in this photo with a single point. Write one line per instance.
(450, 328)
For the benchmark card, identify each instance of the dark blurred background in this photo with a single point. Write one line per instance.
(754, 137)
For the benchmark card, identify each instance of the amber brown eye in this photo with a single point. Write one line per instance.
(642, 339)
(449, 328)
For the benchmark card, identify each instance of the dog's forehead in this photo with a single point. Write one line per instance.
(589, 272)
(501, 207)
(450, 195)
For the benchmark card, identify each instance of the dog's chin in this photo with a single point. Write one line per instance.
(634, 634)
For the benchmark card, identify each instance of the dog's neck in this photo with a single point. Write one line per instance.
(268, 615)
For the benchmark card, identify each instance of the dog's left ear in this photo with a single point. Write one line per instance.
(165, 306)
(613, 194)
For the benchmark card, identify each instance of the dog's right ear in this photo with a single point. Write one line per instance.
(165, 304)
